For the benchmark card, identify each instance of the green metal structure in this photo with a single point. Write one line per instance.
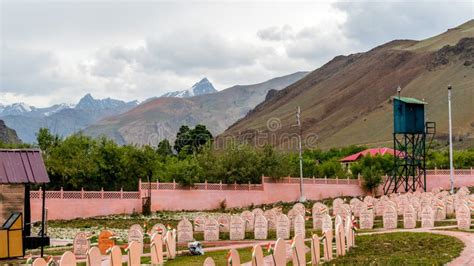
(410, 134)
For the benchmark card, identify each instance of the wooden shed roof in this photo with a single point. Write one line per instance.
(21, 166)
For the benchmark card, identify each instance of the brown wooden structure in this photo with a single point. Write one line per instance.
(19, 169)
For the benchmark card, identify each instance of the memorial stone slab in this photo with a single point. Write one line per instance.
(260, 227)
(463, 217)
(248, 218)
(326, 223)
(318, 211)
(366, 218)
(159, 227)
(389, 217)
(199, 222)
(427, 217)
(185, 231)
(237, 228)
(299, 226)
(209, 261)
(298, 250)
(224, 222)
(211, 230)
(315, 250)
(283, 227)
(67, 259)
(81, 244)
(270, 215)
(257, 211)
(137, 227)
(257, 256)
(93, 258)
(279, 254)
(300, 208)
(409, 217)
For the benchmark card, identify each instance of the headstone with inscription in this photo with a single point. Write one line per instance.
(318, 211)
(237, 228)
(270, 215)
(427, 217)
(248, 219)
(260, 227)
(199, 222)
(81, 244)
(137, 236)
(283, 227)
(366, 218)
(390, 217)
(299, 226)
(409, 217)
(326, 224)
(185, 231)
(211, 230)
(224, 222)
(463, 217)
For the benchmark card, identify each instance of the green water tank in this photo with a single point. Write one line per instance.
(408, 115)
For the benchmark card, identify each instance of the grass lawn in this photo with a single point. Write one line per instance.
(402, 248)
(218, 256)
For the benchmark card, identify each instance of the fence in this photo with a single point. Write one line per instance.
(205, 196)
(61, 194)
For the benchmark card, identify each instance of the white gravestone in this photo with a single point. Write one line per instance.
(283, 227)
(237, 228)
(211, 230)
(185, 231)
(260, 227)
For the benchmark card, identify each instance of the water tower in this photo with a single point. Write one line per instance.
(410, 134)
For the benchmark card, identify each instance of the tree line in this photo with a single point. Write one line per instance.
(80, 161)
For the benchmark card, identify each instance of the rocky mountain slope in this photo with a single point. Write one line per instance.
(347, 101)
(160, 118)
(60, 119)
(202, 87)
(7, 135)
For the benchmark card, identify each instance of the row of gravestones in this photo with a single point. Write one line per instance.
(344, 238)
(106, 238)
(257, 221)
(134, 251)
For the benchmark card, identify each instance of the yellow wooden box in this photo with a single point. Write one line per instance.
(11, 237)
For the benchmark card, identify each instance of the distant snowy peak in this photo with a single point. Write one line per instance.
(86, 103)
(15, 109)
(89, 103)
(202, 87)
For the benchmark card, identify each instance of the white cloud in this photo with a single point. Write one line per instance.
(57, 51)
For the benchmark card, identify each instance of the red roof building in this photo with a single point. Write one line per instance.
(372, 152)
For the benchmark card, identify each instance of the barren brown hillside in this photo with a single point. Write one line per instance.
(347, 101)
(152, 121)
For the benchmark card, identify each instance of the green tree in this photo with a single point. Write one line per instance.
(372, 178)
(46, 140)
(164, 148)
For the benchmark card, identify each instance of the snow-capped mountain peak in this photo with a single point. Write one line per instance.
(204, 86)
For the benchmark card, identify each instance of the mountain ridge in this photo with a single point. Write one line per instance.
(161, 118)
(350, 94)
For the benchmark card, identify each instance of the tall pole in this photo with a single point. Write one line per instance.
(298, 118)
(451, 168)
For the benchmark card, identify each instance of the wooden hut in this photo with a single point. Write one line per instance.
(19, 170)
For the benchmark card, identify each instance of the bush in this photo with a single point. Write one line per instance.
(372, 178)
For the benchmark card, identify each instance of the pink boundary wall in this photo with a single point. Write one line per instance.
(64, 205)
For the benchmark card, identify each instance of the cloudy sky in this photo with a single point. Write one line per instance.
(56, 51)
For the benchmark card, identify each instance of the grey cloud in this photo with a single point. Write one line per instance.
(373, 23)
(182, 52)
(28, 72)
(276, 33)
